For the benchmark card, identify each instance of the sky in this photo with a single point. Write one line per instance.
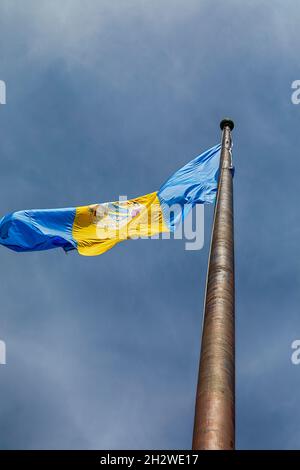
(110, 98)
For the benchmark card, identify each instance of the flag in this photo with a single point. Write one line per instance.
(96, 228)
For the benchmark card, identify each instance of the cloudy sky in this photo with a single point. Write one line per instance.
(107, 98)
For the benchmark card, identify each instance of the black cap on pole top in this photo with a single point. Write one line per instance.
(227, 122)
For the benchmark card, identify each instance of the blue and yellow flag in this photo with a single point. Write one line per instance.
(96, 228)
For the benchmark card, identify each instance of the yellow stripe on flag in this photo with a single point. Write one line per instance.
(98, 227)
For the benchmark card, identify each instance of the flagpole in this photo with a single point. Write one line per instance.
(214, 425)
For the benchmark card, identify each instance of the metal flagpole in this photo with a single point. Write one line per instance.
(214, 425)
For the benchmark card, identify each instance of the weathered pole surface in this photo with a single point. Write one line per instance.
(214, 426)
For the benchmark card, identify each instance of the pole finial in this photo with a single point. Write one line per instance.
(227, 122)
